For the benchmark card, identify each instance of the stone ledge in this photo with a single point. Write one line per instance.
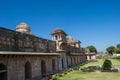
(26, 53)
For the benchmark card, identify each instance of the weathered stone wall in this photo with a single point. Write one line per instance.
(27, 66)
(16, 66)
(15, 41)
(74, 60)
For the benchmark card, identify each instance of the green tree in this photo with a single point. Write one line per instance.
(117, 49)
(110, 49)
(118, 45)
(92, 48)
(107, 65)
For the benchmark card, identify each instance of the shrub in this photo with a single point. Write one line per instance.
(55, 78)
(65, 72)
(107, 65)
(60, 75)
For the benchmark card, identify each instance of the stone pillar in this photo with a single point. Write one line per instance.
(60, 37)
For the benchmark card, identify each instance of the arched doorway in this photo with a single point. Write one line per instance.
(28, 71)
(63, 46)
(53, 65)
(3, 72)
(43, 67)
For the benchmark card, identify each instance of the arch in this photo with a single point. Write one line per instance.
(28, 72)
(43, 67)
(3, 72)
(56, 37)
(53, 65)
(63, 46)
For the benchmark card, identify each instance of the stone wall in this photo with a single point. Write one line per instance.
(16, 69)
(15, 41)
(33, 57)
(74, 60)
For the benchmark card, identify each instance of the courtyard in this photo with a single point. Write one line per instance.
(97, 75)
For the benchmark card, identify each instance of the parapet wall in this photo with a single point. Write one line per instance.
(15, 41)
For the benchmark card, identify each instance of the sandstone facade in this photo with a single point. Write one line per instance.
(23, 56)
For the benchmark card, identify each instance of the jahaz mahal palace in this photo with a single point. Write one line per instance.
(24, 56)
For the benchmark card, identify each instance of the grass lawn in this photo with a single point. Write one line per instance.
(78, 75)
(97, 75)
(100, 62)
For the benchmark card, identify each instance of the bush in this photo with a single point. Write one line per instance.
(60, 75)
(107, 65)
(55, 78)
(65, 72)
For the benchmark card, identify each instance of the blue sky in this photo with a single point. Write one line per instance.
(93, 22)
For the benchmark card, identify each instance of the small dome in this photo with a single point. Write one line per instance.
(22, 26)
(70, 39)
(58, 30)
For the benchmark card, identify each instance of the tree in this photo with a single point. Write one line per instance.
(110, 49)
(118, 45)
(92, 48)
(117, 49)
(107, 65)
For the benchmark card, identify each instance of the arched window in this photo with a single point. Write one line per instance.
(3, 72)
(28, 71)
(63, 46)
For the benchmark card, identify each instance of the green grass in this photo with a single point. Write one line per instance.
(78, 75)
(100, 62)
(97, 75)
(117, 58)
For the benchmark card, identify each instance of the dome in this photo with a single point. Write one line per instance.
(22, 27)
(70, 39)
(58, 30)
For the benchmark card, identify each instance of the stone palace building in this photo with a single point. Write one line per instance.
(24, 56)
